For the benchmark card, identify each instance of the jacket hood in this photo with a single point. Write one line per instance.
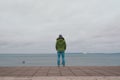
(60, 38)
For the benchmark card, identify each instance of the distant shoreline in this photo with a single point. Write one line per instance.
(65, 53)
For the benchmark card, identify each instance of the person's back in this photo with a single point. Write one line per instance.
(60, 47)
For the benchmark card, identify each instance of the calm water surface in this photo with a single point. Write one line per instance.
(72, 59)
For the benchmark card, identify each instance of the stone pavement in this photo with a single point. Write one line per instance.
(60, 71)
(63, 78)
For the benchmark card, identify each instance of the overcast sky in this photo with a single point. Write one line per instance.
(32, 26)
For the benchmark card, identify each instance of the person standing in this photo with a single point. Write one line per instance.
(60, 47)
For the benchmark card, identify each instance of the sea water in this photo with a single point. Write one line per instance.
(72, 59)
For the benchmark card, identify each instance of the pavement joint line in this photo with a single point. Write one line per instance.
(36, 71)
(96, 71)
(48, 71)
(72, 71)
(102, 70)
(60, 71)
(110, 71)
(84, 71)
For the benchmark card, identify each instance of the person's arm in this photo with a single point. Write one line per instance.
(65, 45)
(56, 45)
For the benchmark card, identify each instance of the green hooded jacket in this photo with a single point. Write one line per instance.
(60, 44)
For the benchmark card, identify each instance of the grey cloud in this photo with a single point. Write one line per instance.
(34, 25)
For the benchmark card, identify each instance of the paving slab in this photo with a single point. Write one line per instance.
(63, 78)
(60, 71)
